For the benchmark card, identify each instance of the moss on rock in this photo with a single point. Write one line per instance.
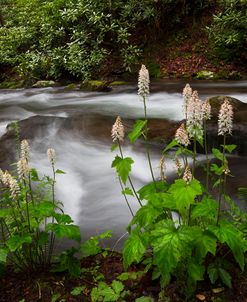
(43, 84)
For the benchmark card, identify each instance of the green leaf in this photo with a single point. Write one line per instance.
(227, 233)
(217, 154)
(107, 234)
(95, 295)
(5, 213)
(137, 130)
(68, 262)
(55, 297)
(69, 231)
(225, 277)
(17, 241)
(90, 247)
(60, 172)
(172, 144)
(114, 147)
(123, 167)
(76, 291)
(145, 216)
(229, 148)
(206, 243)
(42, 238)
(216, 169)
(144, 299)
(63, 218)
(170, 243)
(103, 293)
(127, 191)
(130, 275)
(185, 194)
(44, 209)
(196, 271)
(134, 250)
(3, 255)
(34, 175)
(206, 208)
(74, 267)
(117, 286)
(150, 189)
(213, 273)
(123, 277)
(109, 295)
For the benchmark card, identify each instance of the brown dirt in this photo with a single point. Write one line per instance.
(43, 286)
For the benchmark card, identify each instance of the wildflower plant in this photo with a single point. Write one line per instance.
(31, 219)
(181, 229)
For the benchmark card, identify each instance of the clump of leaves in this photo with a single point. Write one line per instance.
(31, 219)
(180, 222)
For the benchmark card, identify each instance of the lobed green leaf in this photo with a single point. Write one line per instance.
(137, 130)
(134, 250)
(123, 167)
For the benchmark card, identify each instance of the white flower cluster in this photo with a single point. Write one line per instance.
(195, 112)
(117, 132)
(22, 165)
(23, 168)
(187, 177)
(206, 110)
(181, 136)
(162, 168)
(51, 154)
(187, 94)
(10, 182)
(25, 149)
(194, 122)
(143, 82)
(225, 118)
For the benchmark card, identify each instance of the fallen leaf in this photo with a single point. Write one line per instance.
(200, 297)
(218, 290)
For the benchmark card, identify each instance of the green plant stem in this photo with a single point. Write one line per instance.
(52, 240)
(27, 210)
(193, 176)
(194, 158)
(3, 232)
(130, 181)
(221, 187)
(206, 153)
(125, 197)
(146, 142)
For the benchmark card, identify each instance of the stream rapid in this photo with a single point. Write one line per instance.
(90, 190)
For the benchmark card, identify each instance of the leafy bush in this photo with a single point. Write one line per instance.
(30, 217)
(180, 229)
(228, 30)
(56, 39)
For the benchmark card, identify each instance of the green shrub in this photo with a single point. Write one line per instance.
(31, 219)
(180, 229)
(227, 33)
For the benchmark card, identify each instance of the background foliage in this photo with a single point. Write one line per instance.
(46, 39)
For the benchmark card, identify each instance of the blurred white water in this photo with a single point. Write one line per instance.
(90, 190)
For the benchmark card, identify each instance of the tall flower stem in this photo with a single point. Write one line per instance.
(130, 181)
(221, 186)
(194, 158)
(125, 197)
(52, 242)
(206, 154)
(146, 141)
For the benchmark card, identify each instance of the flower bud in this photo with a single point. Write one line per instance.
(225, 118)
(51, 154)
(143, 82)
(117, 132)
(181, 136)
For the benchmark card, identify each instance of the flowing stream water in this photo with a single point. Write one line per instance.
(90, 190)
